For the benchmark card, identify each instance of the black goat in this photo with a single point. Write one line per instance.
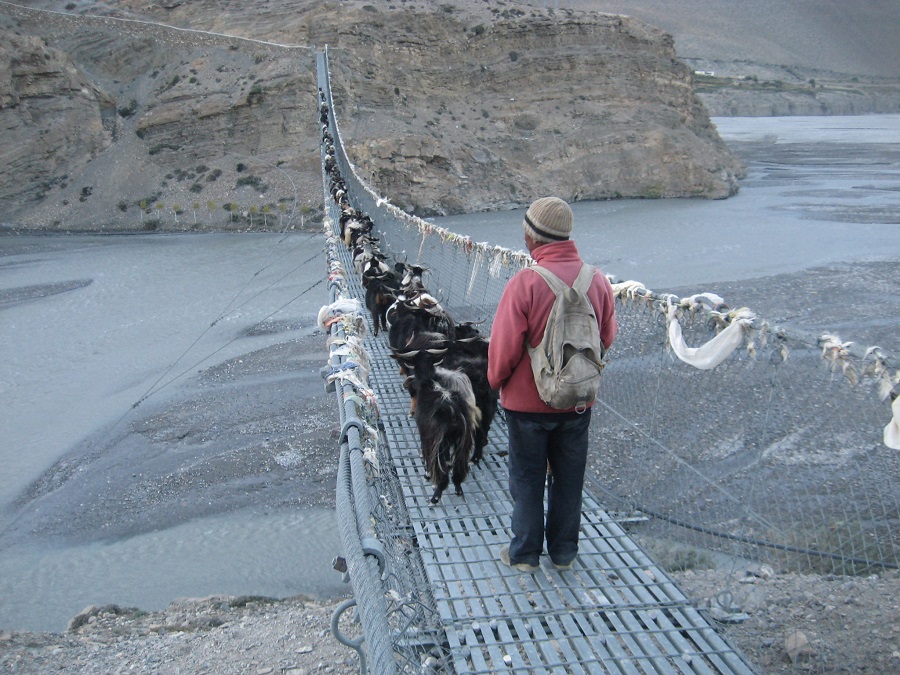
(411, 315)
(467, 353)
(446, 416)
(381, 288)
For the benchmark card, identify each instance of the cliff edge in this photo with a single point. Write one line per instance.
(192, 115)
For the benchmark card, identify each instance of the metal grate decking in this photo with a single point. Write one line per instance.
(614, 612)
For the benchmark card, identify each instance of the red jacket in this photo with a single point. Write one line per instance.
(522, 315)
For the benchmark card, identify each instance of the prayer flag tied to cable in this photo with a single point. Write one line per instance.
(892, 430)
(712, 353)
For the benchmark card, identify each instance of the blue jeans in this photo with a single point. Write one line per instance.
(536, 439)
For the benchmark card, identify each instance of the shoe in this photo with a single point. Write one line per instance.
(522, 567)
(567, 566)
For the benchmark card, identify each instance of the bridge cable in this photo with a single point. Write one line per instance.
(154, 389)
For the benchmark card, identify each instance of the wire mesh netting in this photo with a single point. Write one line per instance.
(776, 454)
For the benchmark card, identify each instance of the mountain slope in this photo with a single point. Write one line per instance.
(853, 38)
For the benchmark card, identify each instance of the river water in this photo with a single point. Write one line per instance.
(818, 190)
(90, 325)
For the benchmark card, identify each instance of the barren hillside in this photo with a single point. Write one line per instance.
(844, 38)
(163, 114)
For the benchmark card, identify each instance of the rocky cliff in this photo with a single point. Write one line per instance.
(112, 121)
(585, 106)
(42, 88)
(780, 57)
(733, 89)
(780, 101)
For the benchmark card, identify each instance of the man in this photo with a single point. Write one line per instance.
(542, 439)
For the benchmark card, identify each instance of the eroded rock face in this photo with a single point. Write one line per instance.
(582, 106)
(441, 111)
(869, 101)
(54, 119)
(100, 117)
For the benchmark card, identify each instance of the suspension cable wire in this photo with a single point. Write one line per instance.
(154, 24)
(235, 339)
(229, 309)
(154, 389)
(265, 263)
(125, 414)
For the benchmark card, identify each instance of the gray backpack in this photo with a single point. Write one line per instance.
(568, 362)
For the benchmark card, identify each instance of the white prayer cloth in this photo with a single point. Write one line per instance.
(337, 308)
(711, 354)
(892, 430)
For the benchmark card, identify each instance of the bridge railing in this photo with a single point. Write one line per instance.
(400, 629)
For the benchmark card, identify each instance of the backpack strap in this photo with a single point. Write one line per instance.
(584, 278)
(556, 284)
(582, 281)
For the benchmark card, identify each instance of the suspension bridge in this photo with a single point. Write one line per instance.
(457, 606)
(690, 439)
(777, 454)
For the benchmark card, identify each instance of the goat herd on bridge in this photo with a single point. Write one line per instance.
(443, 362)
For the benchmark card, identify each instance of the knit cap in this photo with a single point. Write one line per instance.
(548, 219)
